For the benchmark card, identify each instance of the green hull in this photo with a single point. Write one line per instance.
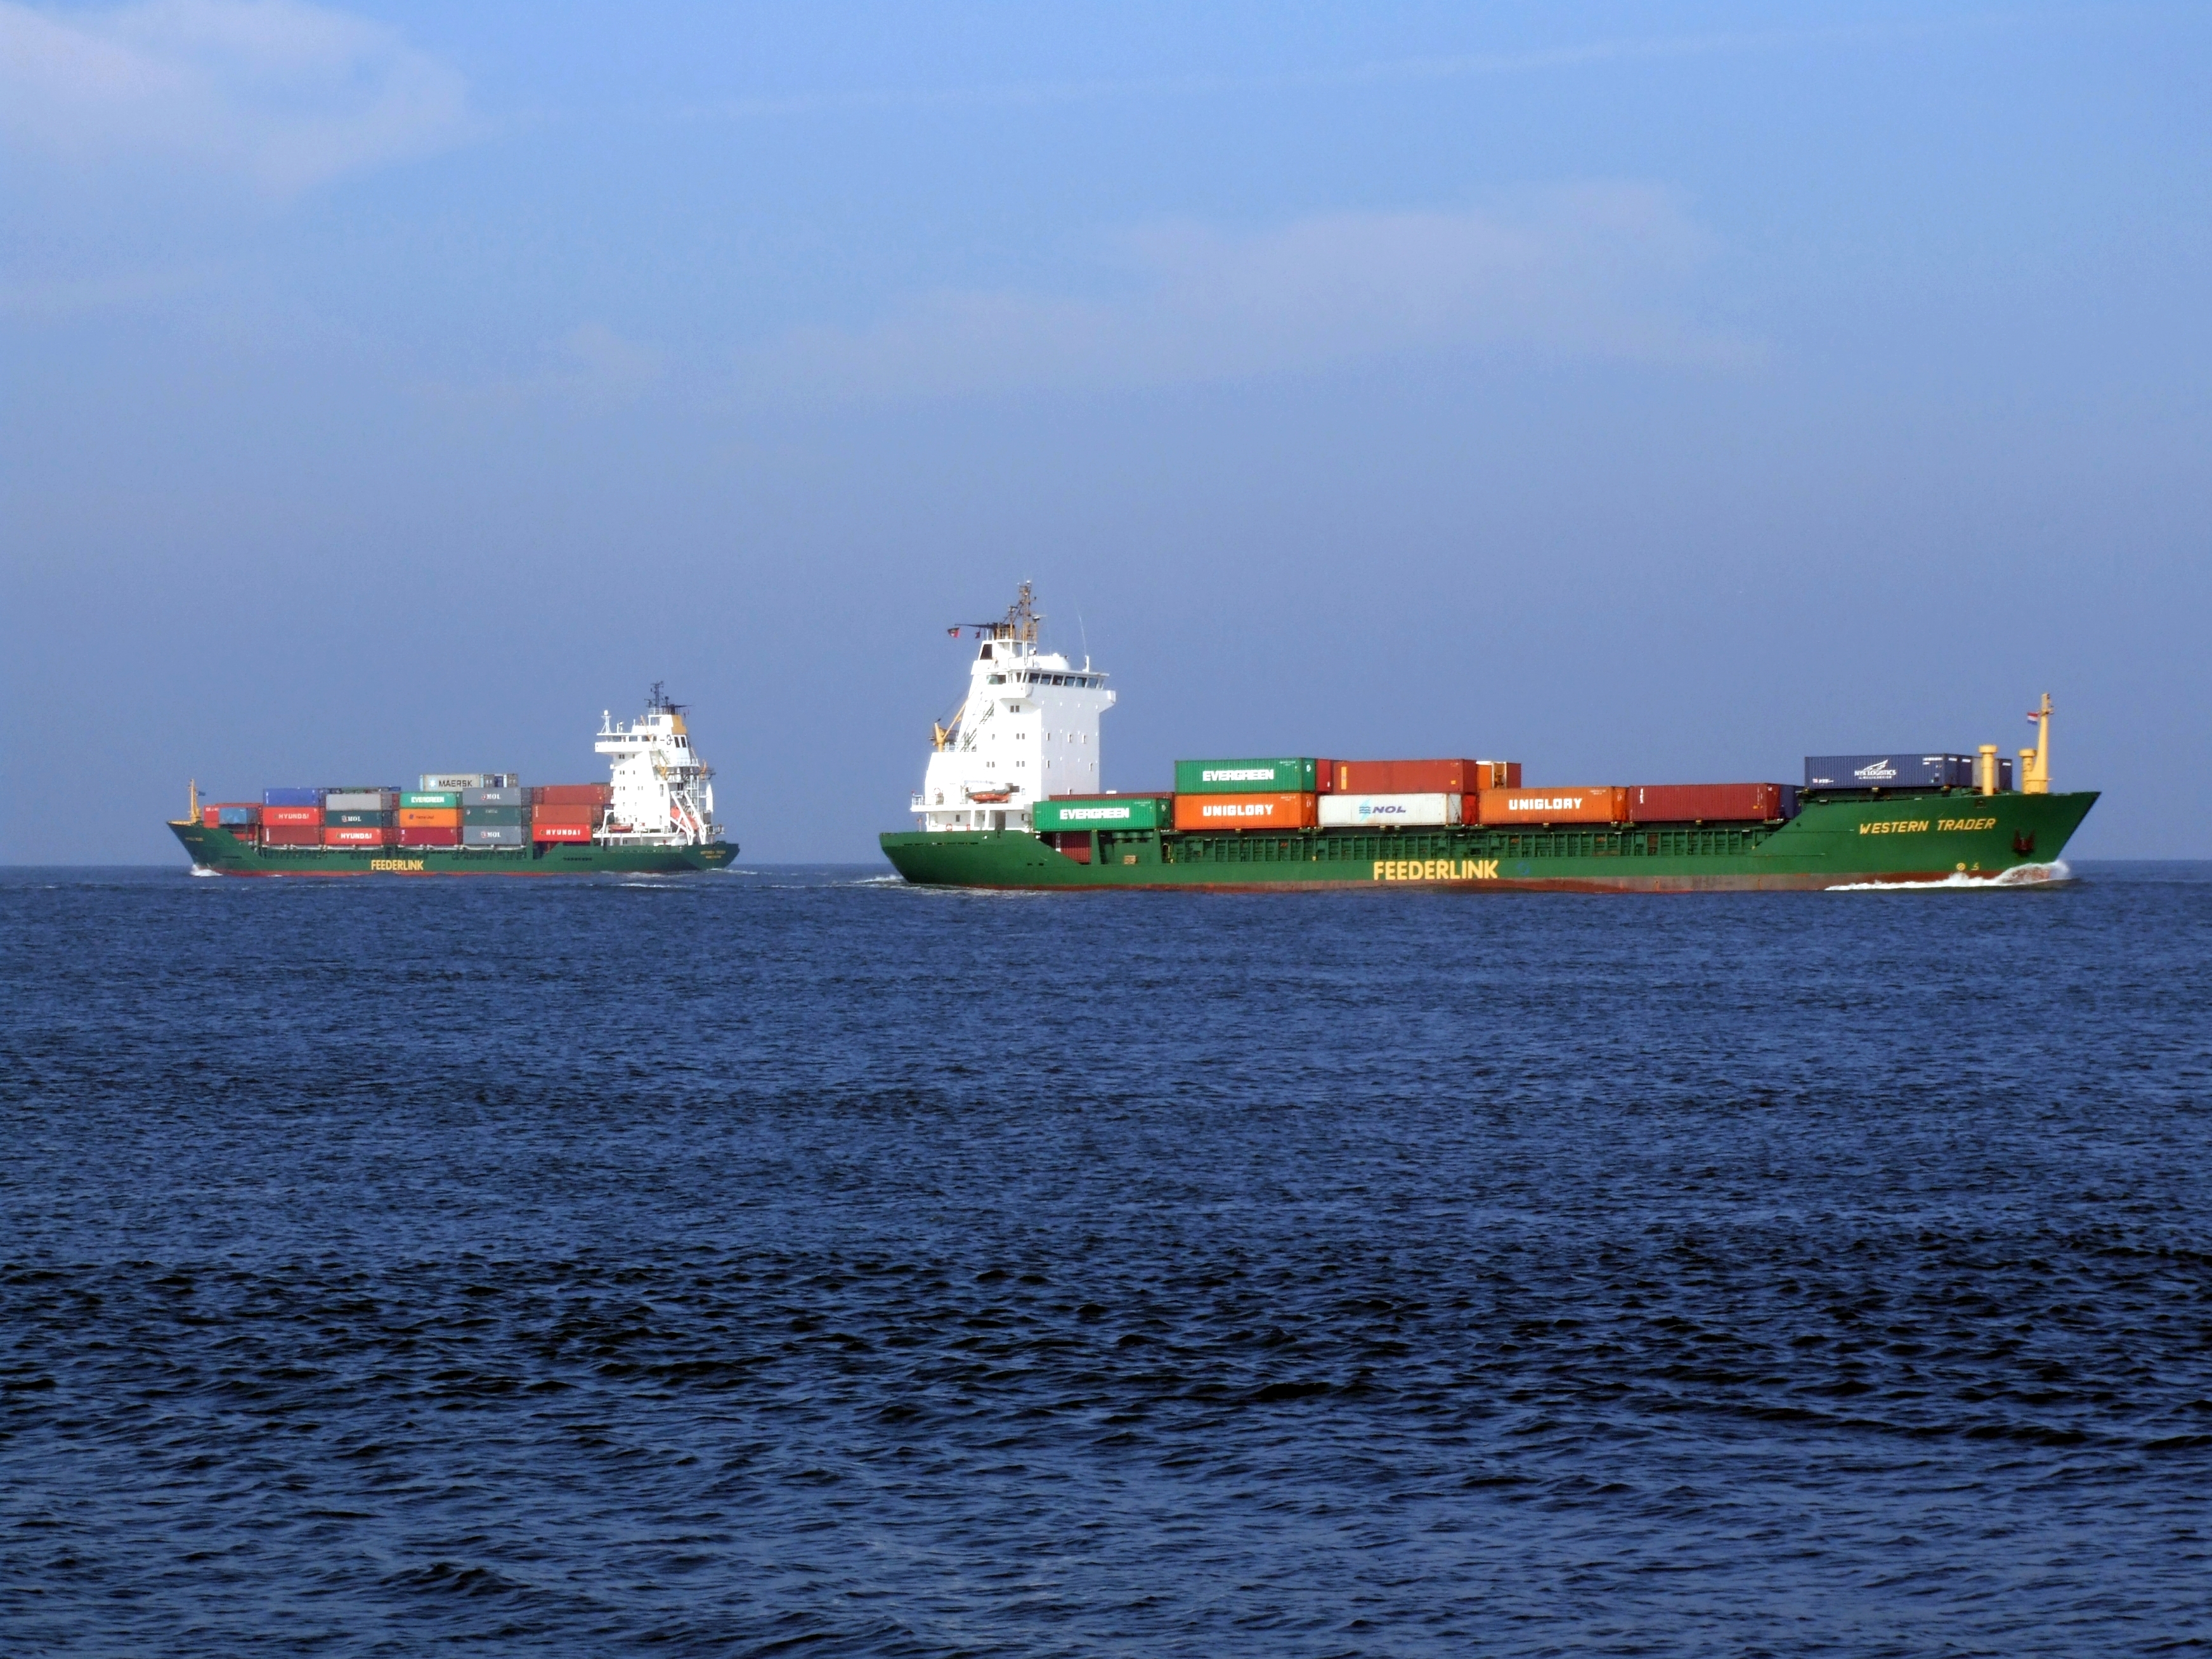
(1952, 837)
(221, 852)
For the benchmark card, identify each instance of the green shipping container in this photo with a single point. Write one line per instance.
(430, 798)
(1122, 812)
(1246, 777)
(510, 815)
(358, 820)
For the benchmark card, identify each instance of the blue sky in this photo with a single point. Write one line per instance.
(1644, 393)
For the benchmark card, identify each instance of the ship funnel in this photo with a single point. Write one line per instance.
(1985, 770)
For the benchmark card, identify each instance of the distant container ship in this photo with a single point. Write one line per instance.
(654, 816)
(1012, 798)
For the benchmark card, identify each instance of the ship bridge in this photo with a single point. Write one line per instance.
(1026, 730)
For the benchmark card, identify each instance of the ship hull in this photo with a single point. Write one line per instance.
(1952, 839)
(223, 854)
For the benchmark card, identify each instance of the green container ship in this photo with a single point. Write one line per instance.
(655, 817)
(1012, 799)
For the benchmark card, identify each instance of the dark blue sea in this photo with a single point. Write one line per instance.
(796, 1262)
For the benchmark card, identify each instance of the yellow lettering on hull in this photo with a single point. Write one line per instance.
(1436, 870)
(395, 864)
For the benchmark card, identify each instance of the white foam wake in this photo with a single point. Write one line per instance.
(2021, 875)
(203, 870)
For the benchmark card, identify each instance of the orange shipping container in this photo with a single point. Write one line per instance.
(1245, 811)
(429, 817)
(1608, 805)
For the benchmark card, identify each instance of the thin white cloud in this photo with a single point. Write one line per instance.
(1586, 271)
(286, 94)
(1384, 72)
(591, 368)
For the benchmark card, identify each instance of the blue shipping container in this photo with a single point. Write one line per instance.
(1891, 771)
(233, 817)
(291, 798)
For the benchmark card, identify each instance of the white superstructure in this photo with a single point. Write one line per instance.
(1028, 729)
(664, 793)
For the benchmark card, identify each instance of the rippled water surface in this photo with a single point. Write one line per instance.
(788, 1261)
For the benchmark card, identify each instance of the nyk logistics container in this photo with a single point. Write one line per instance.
(1712, 803)
(358, 835)
(542, 829)
(428, 834)
(1342, 811)
(1608, 805)
(293, 818)
(508, 795)
(430, 798)
(1244, 777)
(1099, 813)
(333, 815)
(493, 834)
(1894, 771)
(429, 817)
(1274, 812)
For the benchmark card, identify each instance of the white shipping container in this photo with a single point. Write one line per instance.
(360, 800)
(1368, 811)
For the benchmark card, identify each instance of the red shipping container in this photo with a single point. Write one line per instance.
(357, 835)
(430, 835)
(541, 830)
(1704, 802)
(1608, 805)
(292, 835)
(558, 813)
(573, 794)
(293, 817)
(1405, 777)
(1246, 812)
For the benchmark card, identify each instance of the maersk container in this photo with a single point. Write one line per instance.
(1098, 812)
(1368, 812)
(1712, 803)
(1896, 770)
(437, 782)
(493, 834)
(1247, 777)
(430, 798)
(1272, 812)
(360, 800)
(492, 795)
(491, 815)
(1606, 805)
(291, 798)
